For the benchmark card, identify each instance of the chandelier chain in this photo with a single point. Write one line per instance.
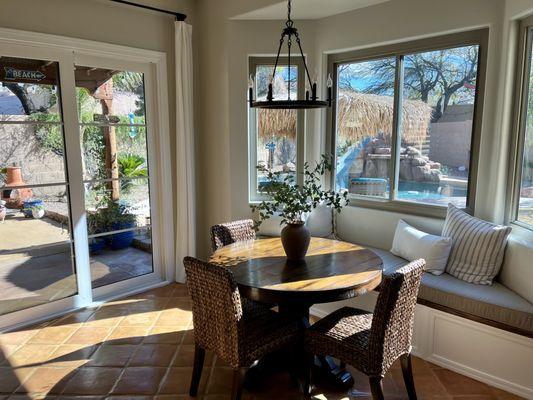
(289, 22)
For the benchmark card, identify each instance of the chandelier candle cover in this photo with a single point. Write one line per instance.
(311, 99)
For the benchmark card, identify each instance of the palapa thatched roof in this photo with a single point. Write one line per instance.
(277, 123)
(359, 115)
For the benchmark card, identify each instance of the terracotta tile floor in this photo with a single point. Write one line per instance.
(142, 348)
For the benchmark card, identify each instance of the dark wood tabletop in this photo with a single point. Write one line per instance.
(333, 270)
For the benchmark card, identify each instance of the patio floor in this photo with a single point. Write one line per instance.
(142, 348)
(36, 263)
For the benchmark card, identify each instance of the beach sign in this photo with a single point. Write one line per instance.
(13, 74)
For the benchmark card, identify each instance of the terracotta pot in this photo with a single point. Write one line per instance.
(295, 239)
(15, 198)
(14, 176)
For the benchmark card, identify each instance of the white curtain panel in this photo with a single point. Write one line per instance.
(186, 220)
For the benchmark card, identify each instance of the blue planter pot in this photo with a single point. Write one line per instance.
(121, 240)
(28, 205)
(96, 246)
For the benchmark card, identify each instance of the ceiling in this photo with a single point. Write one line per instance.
(307, 9)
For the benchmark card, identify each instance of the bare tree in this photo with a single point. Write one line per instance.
(33, 99)
(435, 77)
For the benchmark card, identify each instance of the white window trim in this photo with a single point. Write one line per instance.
(154, 64)
(516, 148)
(471, 37)
(254, 196)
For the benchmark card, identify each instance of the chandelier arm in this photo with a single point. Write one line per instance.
(303, 58)
(289, 44)
(277, 57)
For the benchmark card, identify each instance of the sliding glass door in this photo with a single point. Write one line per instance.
(36, 247)
(76, 219)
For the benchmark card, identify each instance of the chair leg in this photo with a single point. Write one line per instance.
(238, 381)
(376, 388)
(407, 371)
(199, 356)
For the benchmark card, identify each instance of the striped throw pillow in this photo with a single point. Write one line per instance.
(477, 247)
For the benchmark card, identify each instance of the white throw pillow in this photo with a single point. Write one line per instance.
(271, 226)
(412, 244)
(320, 221)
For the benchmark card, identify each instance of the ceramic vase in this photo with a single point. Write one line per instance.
(295, 238)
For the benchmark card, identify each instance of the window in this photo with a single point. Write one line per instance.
(522, 168)
(404, 131)
(276, 136)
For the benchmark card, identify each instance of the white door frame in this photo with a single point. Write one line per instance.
(152, 64)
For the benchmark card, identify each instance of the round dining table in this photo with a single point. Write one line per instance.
(332, 270)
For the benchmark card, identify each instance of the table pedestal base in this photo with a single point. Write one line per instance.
(329, 370)
(324, 366)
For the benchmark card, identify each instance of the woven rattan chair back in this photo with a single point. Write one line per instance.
(216, 308)
(231, 232)
(392, 324)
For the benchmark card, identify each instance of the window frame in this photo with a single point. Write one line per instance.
(477, 37)
(518, 134)
(253, 62)
(67, 52)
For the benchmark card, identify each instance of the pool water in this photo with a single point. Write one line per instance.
(425, 191)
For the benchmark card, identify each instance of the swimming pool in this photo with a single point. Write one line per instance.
(429, 191)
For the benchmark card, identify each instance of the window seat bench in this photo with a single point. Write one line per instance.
(506, 304)
(493, 305)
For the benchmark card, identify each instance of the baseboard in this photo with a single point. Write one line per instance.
(487, 354)
(481, 376)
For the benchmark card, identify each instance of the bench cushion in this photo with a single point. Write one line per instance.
(495, 302)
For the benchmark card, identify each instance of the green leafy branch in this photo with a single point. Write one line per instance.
(291, 200)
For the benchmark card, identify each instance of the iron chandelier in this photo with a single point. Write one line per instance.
(311, 99)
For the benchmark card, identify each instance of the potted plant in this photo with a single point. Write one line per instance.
(29, 205)
(94, 226)
(116, 218)
(37, 211)
(293, 202)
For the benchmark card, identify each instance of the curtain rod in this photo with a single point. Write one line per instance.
(178, 16)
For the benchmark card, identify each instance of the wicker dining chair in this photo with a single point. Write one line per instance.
(371, 342)
(231, 232)
(225, 326)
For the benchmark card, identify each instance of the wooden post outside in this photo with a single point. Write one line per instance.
(105, 94)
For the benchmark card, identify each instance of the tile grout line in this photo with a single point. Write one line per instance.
(134, 353)
(41, 327)
(98, 345)
(169, 368)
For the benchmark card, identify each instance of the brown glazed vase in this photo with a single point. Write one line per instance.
(295, 239)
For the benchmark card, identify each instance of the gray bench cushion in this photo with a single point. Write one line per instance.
(495, 302)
